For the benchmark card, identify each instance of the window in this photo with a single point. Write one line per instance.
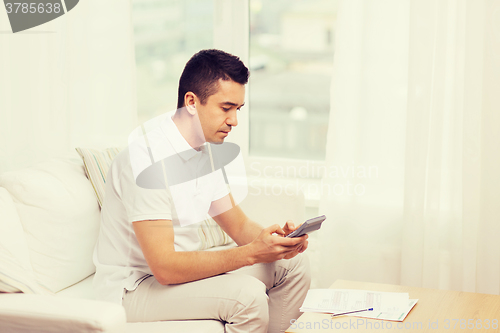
(167, 33)
(289, 45)
(291, 59)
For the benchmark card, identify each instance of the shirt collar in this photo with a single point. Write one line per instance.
(180, 145)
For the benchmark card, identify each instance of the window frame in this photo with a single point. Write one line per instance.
(232, 34)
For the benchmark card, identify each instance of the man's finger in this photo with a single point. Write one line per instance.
(276, 229)
(292, 242)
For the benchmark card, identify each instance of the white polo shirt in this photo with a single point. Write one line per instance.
(119, 261)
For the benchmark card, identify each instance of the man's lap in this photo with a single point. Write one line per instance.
(206, 298)
(203, 299)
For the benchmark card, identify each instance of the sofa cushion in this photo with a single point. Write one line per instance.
(97, 163)
(177, 326)
(21, 313)
(60, 217)
(16, 272)
(82, 289)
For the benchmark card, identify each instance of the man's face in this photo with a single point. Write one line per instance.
(219, 114)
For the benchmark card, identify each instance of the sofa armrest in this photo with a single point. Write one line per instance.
(41, 313)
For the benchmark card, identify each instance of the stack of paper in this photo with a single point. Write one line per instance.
(387, 306)
(394, 315)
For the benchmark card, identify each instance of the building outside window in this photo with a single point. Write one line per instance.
(290, 58)
(167, 33)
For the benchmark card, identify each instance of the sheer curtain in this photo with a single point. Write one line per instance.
(67, 83)
(414, 126)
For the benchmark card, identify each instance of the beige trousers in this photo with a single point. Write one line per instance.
(260, 298)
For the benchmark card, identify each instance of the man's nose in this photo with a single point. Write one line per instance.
(232, 120)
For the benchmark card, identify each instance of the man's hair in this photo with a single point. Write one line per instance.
(202, 73)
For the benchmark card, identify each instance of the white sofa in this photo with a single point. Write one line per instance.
(49, 222)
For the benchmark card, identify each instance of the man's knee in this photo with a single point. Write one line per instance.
(253, 293)
(300, 267)
(252, 301)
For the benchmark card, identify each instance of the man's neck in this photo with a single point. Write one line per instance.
(190, 128)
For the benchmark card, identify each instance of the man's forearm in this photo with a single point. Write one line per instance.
(181, 267)
(249, 231)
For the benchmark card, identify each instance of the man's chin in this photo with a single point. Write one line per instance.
(215, 140)
(219, 139)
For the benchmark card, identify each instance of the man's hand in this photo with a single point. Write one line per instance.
(289, 228)
(268, 247)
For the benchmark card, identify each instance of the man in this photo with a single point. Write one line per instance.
(148, 262)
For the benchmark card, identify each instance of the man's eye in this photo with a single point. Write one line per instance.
(226, 109)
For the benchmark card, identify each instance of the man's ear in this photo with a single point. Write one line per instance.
(190, 102)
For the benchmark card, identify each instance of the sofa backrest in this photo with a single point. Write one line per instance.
(60, 216)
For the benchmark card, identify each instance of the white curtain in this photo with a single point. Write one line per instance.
(415, 125)
(67, 83)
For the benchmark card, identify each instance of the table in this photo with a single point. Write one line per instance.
(436, 311)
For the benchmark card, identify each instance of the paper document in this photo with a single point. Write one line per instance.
(393, 316)
(344, 300)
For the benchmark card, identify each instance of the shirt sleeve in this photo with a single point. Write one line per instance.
(143, 203)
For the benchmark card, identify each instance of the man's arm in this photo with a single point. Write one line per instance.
(241, 229)
(156, 239)
(233, 221)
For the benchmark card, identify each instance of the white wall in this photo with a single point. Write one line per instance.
(67, 83)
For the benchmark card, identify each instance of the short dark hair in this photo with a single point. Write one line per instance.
(202, 73)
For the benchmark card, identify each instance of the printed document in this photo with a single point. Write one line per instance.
(345, 300)
(392, 316)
